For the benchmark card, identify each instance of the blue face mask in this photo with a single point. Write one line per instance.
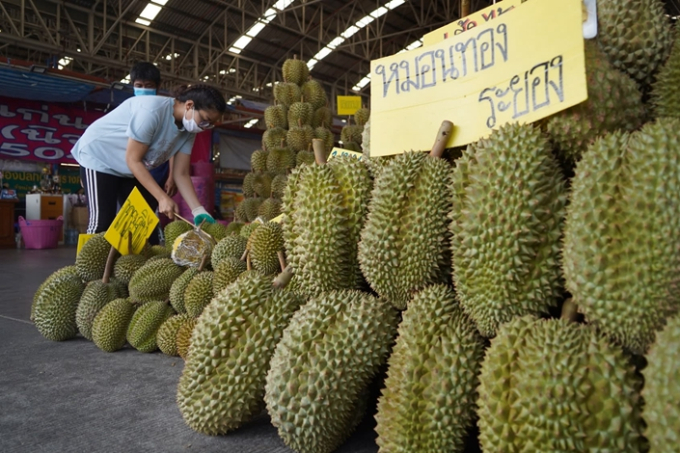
(145, 91)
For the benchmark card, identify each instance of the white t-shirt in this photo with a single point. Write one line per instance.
(147, 119)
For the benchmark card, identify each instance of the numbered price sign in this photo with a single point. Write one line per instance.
(136, 217)
(348, 105)
(335, 152)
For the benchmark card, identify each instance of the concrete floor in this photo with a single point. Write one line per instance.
(69, 396)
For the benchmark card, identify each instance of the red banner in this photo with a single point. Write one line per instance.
(31, 130)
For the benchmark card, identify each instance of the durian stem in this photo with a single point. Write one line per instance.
(245, 255)
(464, 8)
(203, 261)
(282, 280)
(282, 260)
(319, 151)
(248, 265)
(569, 310)
(109, 265)
(443, 134)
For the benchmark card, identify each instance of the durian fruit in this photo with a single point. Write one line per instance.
(665, 96)
(288, 211)
(178, 288)
(299, 137)
(429, 399)
(295, 71)
(235, 227)
(231, 246)
(621, 260)
(662, 390)
(166, 337)
(508, 209)
(552, 385)
(155, 251)
(54, 314)
(329, 211)
(265, 246)
(152, 282)
(240, 214)
(361, 116)
(198, 293)
(247, 230)
(351, 134)
(323, 117)
(248, 190)
(227, 272)
(333, 347)
(109, 329)
(184, 337)
(91, 260)
(172, 231)
(279, 185)
(614, 102)
(313, 92)
(222, 383)
(251, 207)
(300, 113)
(280, 161)
(276, 116)
(126, 266)
(258, 160)
(304, 157)
(405, 237)
(326, 136)
(70, 270)
(351, 146)
(146, 321)
(96, 295)
(636, 36)
(287, 93)
(216, 230)
(274, 138)
(262, 184)
(269, 209)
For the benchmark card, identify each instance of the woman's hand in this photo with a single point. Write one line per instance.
(170, 186)
(168, 207)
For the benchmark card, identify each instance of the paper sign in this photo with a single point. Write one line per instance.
(277, 219)
(82, 239)
(345, 152)
(348, 105)
(520, 67)
(136, 217)
(469, 22)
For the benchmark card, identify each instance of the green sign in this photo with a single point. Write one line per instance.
(23, 181)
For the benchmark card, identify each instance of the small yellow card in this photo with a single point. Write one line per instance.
(277, 219)
(335, 152)
(136, 217)
(82, 239)
(348, 105)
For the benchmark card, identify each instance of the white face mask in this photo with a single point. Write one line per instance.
(190, 125)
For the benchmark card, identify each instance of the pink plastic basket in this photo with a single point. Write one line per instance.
(41, 234)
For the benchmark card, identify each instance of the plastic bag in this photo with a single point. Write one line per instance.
(192, 248)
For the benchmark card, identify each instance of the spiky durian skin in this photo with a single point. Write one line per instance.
(327, 136)
(184, 337)
(635, 35)
(280, 161)
(287, 93)
(362, 116)
(662, 390)
(352, 133)
(295, 71)
(304, 158)
(95, 296)
(227, 272)
(178, 287)
(333, 346)
(222, 383)
(126, 266)
(166, 337)
(508, 211)
(300, 113)
(172, 231)
(323, 117)
(269, 209)
(263, 245)
(665, 96)
(251, 207)
(248, 190)
(62, 271)
(366, 139)
(154, 280)
(276, 116)
(404, 240)
(109, 328)
(91, 260)
(429, 398)
(141, 333)
(313, 92)
(240, 214)
(234, 227)
(231, 246)
(258, 160)
(299, 138)
(621, 260)
(288, 209)
(274, 138)
(198, 293)
(262, 185)
(248, 229)
(614, 102)
(55, 309)
(216, 230)
(279, 185)
(551, 385)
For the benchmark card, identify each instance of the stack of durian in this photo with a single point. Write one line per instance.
(530, 286)
(351, 135)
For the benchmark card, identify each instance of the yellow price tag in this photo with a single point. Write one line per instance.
(136, 217)
(345, 152)
(82, 239)
(277, 219)
(348, 105)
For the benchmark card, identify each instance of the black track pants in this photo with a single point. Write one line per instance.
(104, 193)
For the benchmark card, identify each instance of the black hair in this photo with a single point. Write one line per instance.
(204, 96)
(145, 71)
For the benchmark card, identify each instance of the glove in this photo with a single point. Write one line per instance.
(200, 214)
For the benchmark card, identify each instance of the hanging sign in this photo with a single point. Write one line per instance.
(519, 67)
(348, 105)
(136, 217)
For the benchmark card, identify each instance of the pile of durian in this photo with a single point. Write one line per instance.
(530, 287)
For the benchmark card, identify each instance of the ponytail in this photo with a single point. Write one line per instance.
(204, 96)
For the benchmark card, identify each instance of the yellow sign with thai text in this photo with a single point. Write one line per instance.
(135, 217)
(335, 152)
(348, 105)
(82, 239)
(520, 67)
(469, 22)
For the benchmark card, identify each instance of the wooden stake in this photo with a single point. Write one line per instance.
(443, 134)
(282, 260)
(319, 151)
(109, 265)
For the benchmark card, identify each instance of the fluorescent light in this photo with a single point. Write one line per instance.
(160, 2)
(336, 42)
(235, 50)
(379, 12)
(126, 79)
(394, 3)
(251, 123)
(242, 42)
(150, 11)
(362, 83)
(311, 63)
(64, 62)
(139, 20)
(320, 55)
(282, 4)
(170, 56)
(350, 31)
(255, 29)
(414, 45)
(269, 15)
(361, 23)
